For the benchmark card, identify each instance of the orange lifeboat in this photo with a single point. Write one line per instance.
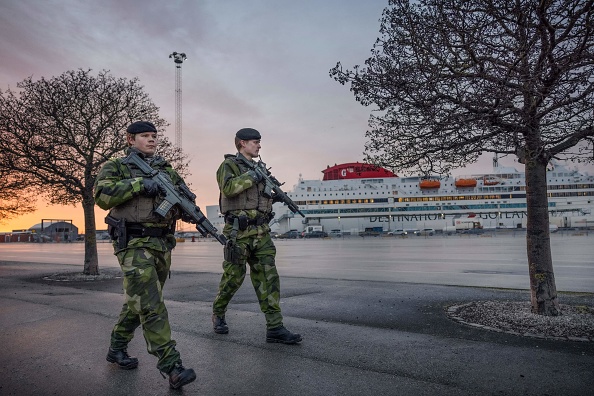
(429, 183)
(491, 180)
(465, 183)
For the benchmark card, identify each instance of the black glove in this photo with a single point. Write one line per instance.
(151, 188)
(254, 175)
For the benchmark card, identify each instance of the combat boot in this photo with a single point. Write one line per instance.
(122, 358)
(180, 376)
(282, 335)
(219, 325)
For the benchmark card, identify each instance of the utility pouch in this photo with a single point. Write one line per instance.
(243, 223)
(232, 252)
(117, 231)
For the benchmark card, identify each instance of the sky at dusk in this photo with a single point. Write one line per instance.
(261, 63)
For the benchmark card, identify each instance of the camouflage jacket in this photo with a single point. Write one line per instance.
(115, 185)
(233, 182)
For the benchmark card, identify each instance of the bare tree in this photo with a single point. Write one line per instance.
(16, 198)
(58, 132)
(455, 79)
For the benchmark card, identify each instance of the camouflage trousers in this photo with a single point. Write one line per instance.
(259, 254)
(145, 271)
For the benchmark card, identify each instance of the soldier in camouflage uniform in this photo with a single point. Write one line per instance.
(247, 214)
(144, 255)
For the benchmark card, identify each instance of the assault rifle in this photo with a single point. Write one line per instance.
(175, 195)
(272, 188)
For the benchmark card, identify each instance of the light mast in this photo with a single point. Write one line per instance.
(178, 59)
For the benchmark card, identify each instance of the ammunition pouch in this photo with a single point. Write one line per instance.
(233, 253)
(242, 221)
(267, 192)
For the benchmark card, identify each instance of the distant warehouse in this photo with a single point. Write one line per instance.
(54, 230)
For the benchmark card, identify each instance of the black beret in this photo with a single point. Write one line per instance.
(141, 126)
(248, 134)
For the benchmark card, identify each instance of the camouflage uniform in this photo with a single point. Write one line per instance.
(145, 261)
(254, 244)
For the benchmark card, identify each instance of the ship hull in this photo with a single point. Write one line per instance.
(384, 204)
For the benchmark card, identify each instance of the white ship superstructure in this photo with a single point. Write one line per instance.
(358, 197)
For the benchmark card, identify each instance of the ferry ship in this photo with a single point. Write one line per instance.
(355, 198)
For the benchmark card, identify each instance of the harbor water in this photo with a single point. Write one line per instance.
(488, 260)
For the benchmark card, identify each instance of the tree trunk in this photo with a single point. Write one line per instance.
(91, 266)
(543, 292)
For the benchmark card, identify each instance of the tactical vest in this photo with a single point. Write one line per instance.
(250, 198)
(140, 209)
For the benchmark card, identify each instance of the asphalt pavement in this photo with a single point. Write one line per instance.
(359, 338)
